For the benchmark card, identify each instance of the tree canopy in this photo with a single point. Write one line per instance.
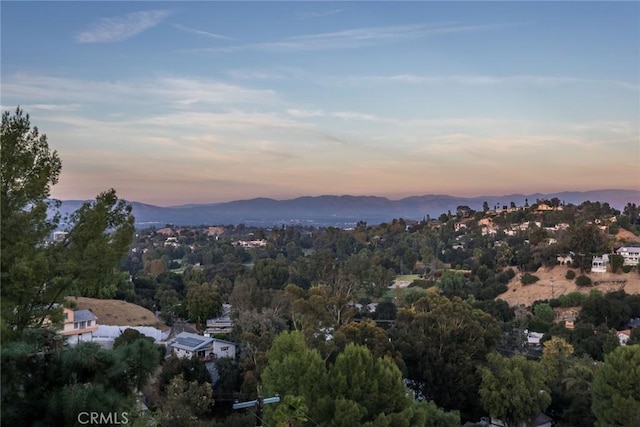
(616, 396)
(37, 275)
(514, 389)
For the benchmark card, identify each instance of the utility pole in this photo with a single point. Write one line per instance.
(258, 404)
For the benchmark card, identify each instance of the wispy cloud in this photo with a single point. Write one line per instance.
(115, 29)
(319, 14)
(295, 112)
(51, 107)
(201, 32)
(176, 91)
(356, 37)
(482, 80)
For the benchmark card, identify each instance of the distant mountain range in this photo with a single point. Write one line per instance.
(343, 211)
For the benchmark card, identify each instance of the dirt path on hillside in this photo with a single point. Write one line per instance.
(552, 284)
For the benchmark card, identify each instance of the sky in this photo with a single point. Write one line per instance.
(201, 102)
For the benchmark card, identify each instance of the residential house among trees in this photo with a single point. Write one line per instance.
(79, 325)
(631, 255)
(222, 324)
(187, 345)
(599, 264)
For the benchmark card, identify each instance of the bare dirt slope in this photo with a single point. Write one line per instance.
(552, 284)
(625, 236)
(119, 313)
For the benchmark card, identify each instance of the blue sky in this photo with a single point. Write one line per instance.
(195, 102)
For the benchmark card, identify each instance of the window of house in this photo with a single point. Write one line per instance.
(224, 348)
(66, 316)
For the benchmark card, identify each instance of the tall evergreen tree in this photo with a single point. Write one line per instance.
(36, 277)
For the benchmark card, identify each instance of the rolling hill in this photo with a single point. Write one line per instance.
(342, 211)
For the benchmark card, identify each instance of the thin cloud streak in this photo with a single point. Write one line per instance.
(355, 38)
(201, 32)
(319, 14)
(483, 80)
(178, 91)
(108, 30)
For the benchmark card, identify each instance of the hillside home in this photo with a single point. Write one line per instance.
(570, 323)
(459, 226)
(489, 230)
(188, 345)
(533, 339)
(599, 264)
(544, 207)
(624, 336)
(564, 259)
(633, 323)
(79, 325)
(171, 241)
(251, 243)
(222, 324)
(631, 255)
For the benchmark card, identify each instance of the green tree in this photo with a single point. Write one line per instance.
(191, 370)
(441, 342)
(43, 386)
(616, 396)
(575, 400)
(544, 312)
(142, 357)
(452, 283)
(203, 302)
(366, 334)
(514, 389)
(296, 370)
(586, 240)
(129, 336)
(437, 417)
(291, 412)
(555, 356)
(186, 402)
(37, 277)
(373, 385)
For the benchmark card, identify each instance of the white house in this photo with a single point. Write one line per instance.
(533, 338)
(631, 255)
(624, 336)
(564, 259)
(599, 264)
(187, 345)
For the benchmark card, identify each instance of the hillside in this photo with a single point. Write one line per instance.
(118, 313)
(519, 294)
(342, 211)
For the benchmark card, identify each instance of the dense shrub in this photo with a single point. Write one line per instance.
(570, 275)
(617, 262)
(583, 281)
(572, 299)
(421, 283)
(528, 279)
(627, 268)
(505, 276)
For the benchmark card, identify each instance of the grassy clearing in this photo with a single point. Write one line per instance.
(408, 277)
